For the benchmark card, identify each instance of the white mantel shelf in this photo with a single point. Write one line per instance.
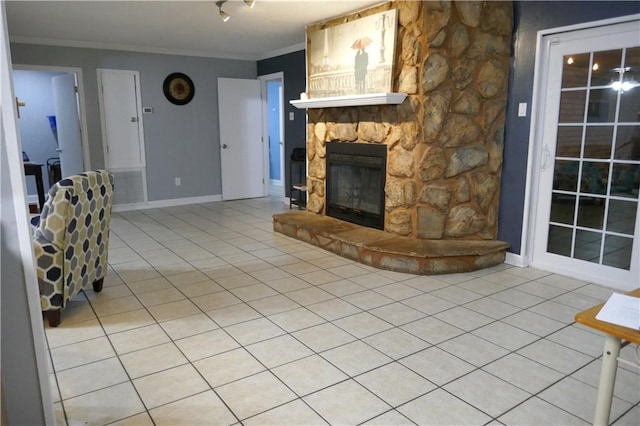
(351, 100)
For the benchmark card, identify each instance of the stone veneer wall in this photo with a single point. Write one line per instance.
(445, 141)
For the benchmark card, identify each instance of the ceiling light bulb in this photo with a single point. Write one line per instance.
(596, 66)
(250, 3)
(570, 60)
(223, 15)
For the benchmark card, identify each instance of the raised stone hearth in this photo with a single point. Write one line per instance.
(388, 251)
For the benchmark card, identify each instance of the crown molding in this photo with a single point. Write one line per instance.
(128, 48)
(283, 51)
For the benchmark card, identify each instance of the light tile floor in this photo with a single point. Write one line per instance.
(209, 317)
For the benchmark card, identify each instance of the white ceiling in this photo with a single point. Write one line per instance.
(176, 27)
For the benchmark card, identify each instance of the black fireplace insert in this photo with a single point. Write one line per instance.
(356, 174)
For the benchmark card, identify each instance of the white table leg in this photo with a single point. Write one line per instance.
(607, 380)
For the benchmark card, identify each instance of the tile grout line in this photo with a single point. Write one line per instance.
(248, 229)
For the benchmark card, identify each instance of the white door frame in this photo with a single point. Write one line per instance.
(535, 151)
(81, 102)
(277, 76)
(11, 146)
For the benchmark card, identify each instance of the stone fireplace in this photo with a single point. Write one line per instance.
(356, 175)
(443, 145)
(444, 142)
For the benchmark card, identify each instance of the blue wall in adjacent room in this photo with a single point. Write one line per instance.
(273, 114)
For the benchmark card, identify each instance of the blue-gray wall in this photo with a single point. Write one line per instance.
(295, 81)
(180, 141)
(531, 17)
(35, 89)
(183, 141)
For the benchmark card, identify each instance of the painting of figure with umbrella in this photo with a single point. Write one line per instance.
(352, 58)
(361, 63)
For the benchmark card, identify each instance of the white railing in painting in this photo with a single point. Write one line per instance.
(342, 82)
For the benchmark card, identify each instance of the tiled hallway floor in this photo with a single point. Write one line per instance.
(209, 317)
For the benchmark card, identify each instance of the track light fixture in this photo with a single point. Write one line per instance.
(224, 15)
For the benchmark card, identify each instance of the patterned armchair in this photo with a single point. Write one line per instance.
(71, 239)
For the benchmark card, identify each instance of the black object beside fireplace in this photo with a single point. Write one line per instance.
(356, 174)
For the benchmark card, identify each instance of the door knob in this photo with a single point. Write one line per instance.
(19, 104)
(224, 146)
(546, 156)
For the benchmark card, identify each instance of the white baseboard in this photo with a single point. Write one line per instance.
(167, 203)
(516, 260)
(185, 201)
(129, 207)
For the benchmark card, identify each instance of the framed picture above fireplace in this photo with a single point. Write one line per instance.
(354, 58)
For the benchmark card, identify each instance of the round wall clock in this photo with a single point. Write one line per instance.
(178, 88)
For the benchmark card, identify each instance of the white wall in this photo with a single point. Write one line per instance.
(26, 398)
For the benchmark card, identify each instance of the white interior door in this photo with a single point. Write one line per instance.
(241, 148)
(588, 223)
(122, 118)
(65, 101)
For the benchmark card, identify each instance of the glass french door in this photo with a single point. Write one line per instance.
(587, 221)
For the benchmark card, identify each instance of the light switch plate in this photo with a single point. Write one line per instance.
(522, 109)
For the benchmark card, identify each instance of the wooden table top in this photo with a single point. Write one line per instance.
(588, 318)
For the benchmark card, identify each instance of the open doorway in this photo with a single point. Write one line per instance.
(52, 122)
(273, 131)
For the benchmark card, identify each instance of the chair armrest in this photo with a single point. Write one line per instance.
(50, 272)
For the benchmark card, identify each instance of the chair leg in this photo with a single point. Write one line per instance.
(97, 285)
(54, 317)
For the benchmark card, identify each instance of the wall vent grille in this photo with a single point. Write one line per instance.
(128, 187)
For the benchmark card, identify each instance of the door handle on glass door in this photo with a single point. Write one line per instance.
(546, 155)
